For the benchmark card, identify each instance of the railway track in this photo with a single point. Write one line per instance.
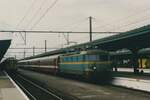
(85, 91)
(33, 90)
(70, 89)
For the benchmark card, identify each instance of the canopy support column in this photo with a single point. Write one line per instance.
(135, 63)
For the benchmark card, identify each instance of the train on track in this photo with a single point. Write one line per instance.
(91, 64)
(9, 64)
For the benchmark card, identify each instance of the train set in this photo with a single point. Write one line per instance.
(89, 65)
(92, 64)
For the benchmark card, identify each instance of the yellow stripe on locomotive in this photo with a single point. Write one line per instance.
(87, 62)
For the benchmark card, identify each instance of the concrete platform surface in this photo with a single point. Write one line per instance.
(8, 91)
(85, 91)
(135, 83)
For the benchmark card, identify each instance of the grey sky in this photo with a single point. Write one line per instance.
(109, 15)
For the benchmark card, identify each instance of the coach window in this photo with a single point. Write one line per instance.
(69, 59)
(65, 59)
(80, 58)
(74, 58)
(77, 58)
(86, 57)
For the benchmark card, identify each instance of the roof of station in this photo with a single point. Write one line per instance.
(137, 38)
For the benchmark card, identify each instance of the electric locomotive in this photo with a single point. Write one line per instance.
(91, 64)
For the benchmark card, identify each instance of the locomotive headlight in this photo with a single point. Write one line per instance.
(94, 68)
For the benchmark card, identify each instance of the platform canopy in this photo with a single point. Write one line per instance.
(4, 45)
(133, 39)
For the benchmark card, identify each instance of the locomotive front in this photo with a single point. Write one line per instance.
(99, 66)
(91, 64)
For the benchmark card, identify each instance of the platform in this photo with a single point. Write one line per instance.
(134, 83)
(8, 89)
(145, 70)
(128, 79)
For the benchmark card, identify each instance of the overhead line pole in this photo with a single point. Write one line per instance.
(33, 50)
(90, 24)
(24, 55)
(45, 45)
(25, 38)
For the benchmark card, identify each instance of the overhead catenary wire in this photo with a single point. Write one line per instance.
(24, 17)
(43, 15)
(34, 48)
(73, 25)
(124, 18)
(26, 14)
(132, 23)
(57, 32)
(36, 13)
(76, 23)
(145, 18)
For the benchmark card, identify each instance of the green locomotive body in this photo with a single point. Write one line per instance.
(89, 64)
